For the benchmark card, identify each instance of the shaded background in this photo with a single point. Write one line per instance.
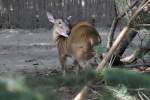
(26, 43)
(31, 14)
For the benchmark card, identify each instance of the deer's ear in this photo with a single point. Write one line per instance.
(69, 17)
(50, 17)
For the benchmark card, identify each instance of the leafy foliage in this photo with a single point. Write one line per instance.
(128, 78)
(122, 93)
(118, 84)
(15, 89)
(123, 84)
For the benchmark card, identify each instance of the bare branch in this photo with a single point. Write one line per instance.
(137, 12)
(142, 25)
(115, 23)
(113, 48)
(119, 39)
(137, 65)
(81, 94)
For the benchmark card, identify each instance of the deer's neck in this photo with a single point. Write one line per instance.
(62, 44)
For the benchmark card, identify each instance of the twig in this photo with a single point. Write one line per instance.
(130, 7)
(142, 25)
(95, 92)
(139, 89)
(137, 65)
(145, 96)
(140, 95)
(137, 12)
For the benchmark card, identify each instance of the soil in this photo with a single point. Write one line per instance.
(31, 51)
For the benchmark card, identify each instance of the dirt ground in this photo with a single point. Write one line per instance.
(27, 51)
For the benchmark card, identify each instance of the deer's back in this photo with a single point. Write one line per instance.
(82, 38)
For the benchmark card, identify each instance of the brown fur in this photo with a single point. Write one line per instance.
(79, 44)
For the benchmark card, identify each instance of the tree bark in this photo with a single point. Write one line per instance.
(123, 46)
(115, 23)
(114, 47)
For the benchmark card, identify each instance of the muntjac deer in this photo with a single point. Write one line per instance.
(77, 42)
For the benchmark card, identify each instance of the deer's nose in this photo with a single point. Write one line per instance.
(68, 31)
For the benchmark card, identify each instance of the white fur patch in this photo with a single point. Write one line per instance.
(64, 34)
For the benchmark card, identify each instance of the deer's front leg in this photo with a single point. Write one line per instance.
(62, 59)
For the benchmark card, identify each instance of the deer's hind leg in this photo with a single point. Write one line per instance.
(82, 58)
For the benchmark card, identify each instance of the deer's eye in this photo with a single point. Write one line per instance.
(59, 22)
